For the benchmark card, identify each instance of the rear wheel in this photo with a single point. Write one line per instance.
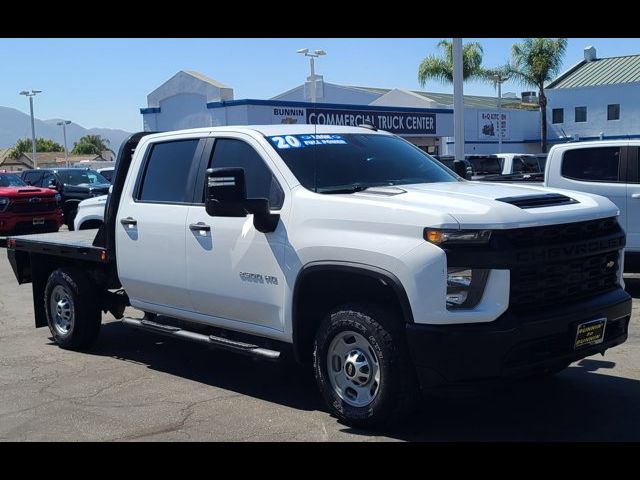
(362, 366)
(73, 315)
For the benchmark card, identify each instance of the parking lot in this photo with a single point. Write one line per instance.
(135, 386)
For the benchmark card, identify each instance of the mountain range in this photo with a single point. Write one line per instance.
(15, 124)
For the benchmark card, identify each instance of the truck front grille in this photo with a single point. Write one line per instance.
(563, 263)
(40, 207)
(546, 283)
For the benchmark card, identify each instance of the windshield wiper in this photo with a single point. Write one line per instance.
(345, 189)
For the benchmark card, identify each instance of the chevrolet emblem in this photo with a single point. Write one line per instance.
(610, 264)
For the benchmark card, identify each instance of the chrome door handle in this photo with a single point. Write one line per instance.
(199, 227)
(131, 222)
(635, 195)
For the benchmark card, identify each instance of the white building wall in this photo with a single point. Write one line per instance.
(596, 100)
(524, 126)
(331, 94)
(186, 110)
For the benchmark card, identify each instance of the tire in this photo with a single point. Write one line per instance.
(72, 310)
(390, 392)
(69, 218)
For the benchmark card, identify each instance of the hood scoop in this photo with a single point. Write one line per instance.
(384, 191)
(538, 200)
(28, 190)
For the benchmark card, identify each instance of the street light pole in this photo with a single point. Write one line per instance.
(312, 57)
(32, 94)
(458, 100)
(499, 78)
(64, 124)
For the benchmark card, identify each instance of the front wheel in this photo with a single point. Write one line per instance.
(71, 307)
(362, 366)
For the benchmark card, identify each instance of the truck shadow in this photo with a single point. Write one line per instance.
(632, 286)
(584, 403)
(288, 385)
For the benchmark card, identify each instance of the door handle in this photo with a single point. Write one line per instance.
(199, 227)
(130, 222)
(635, 195)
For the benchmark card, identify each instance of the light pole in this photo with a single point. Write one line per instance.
(312, 57)
(458, 100)
(499, 78)
(32, 94)
(64, 124)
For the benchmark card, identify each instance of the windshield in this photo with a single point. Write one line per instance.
(81, 176)
(331, 163)
(486, 165)
(11, 180)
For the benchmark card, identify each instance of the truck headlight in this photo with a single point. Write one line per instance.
(465, 286)
(4, 203)
(458, 237)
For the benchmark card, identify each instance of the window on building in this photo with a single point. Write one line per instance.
(581, 114)
(260, 182)
(599, 164)
(167, 172)
(613, 111)
(557, 115)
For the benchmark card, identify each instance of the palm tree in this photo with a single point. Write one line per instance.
(91, 144)
(535, 61)
(441, 68)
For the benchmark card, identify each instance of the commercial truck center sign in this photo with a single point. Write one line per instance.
(394, 122)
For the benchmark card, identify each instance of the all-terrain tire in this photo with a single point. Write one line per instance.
(397, 393)
(72, 310)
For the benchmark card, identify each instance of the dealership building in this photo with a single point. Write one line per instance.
(597, 98)
(190, 99)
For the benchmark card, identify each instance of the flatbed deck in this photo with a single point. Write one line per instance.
(77, 244)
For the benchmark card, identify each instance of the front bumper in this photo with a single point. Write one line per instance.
(23, 222)
(515, 344)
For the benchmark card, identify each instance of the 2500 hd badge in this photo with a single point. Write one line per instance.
(257, 278)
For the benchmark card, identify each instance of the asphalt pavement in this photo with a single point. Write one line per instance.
(139, 386)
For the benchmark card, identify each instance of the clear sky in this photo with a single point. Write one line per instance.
(104, 82)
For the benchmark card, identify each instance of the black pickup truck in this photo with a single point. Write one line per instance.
(73, 184)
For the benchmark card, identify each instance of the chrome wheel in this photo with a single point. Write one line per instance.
(61, 309)
(353, 369)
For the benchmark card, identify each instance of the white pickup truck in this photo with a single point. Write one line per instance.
(346, 247)
(608, 168)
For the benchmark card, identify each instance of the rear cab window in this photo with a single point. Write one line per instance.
(593, 164)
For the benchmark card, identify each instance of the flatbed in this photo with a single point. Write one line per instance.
(76, 244)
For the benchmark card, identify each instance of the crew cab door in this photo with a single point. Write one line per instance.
(151, 226)
(235, 273)
(633, 199)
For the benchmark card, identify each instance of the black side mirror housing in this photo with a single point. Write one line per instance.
(460, 168)
(226, 196)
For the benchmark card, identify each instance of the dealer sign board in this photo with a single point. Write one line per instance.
(491, 125)
(395, 122)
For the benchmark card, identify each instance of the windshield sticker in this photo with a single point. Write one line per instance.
(300, 141)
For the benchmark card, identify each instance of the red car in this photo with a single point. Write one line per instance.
(26, 209)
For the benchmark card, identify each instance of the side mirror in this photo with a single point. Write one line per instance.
(226, 192)
(460, 168)
(55, 184)
(226, 196)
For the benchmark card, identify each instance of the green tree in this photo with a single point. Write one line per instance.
(440, 68)
(90, 144)
(25, 145)
(535, 61)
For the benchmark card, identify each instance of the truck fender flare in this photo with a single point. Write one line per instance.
(378, 273)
